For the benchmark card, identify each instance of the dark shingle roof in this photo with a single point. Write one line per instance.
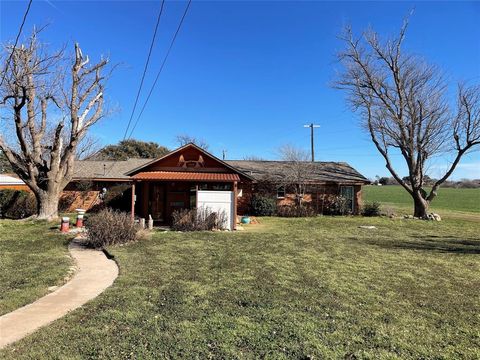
(98, 169)
(339, 172)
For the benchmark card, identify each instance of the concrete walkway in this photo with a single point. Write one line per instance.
(95, 273)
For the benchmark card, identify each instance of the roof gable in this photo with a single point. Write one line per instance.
(188, 158)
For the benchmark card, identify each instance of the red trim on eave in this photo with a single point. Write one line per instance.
(185, 176)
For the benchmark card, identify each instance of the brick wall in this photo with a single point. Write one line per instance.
(315, 197)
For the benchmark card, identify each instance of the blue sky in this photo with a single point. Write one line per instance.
(246, 76)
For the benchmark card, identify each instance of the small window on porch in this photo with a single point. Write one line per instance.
(224, 187)
(281, 192)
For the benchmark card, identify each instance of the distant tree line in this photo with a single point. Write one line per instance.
(132, 148)
(428, 181)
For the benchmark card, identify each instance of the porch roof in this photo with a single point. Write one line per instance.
(185, 176)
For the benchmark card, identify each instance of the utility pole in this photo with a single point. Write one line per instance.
(312, 126)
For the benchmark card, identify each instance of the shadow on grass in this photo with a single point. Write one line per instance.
(444, 244)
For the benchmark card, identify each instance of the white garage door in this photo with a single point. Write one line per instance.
(217, 201)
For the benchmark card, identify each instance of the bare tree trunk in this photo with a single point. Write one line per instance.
(47, 205)
(420, 205)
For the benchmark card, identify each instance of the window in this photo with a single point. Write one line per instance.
(281, 192)
(226, 187)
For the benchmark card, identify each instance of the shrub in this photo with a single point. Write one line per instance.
(336, 205)
(263, 205)
(295, 211)
(201, 219)
(371, 209)
(110, 227)
(17, 204)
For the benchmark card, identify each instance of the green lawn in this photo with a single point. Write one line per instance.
(288, 288)
(32, 258)
(449, 199)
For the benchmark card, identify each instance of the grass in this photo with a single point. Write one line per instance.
(293, 288)
(448, 199)
(32, 258)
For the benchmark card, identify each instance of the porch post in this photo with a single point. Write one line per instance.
(133, 201)
(235, 188)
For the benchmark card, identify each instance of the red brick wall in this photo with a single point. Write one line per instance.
(243, 202)
(314, 197)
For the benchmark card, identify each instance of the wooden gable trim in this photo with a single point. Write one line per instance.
(182, 148)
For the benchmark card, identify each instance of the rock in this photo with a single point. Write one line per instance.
(408, 216)
(436, 217)
(367, 227)
(52, 288)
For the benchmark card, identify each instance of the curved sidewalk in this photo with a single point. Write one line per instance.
(94, 274)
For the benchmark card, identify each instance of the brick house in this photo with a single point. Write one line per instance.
(190, 177)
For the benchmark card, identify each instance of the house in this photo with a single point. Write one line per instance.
(190, 177)
(11, 181)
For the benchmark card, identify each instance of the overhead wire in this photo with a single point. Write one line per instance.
(145, 68)
(161, 67)
(16, 41)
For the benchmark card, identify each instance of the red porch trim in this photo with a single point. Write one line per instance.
(185, 176)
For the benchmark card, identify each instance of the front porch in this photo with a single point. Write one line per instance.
(160, 199)
(186, 178)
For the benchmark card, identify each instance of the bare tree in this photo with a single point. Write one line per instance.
(405, 108)
(297, 172)
(184, 139)
(50, 102)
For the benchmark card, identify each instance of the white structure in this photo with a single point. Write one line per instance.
(10, 180)
(218, 201)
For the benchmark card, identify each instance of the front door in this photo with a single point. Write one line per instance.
(178, 198)
(157, 202)
(348, 193)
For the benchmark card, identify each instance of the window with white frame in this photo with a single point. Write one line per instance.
(281, 192)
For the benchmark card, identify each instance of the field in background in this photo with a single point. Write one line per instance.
(448, 199)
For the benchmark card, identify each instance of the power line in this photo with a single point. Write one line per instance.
(16, 41)
(162, 66)
(156, 79)
(145, 69)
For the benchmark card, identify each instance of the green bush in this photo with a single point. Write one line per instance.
(110, 227)
(17, 204)
(263, 205)
(371, 209)
(295, 211)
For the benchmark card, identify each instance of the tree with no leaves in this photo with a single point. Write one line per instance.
(297, 171)
(49, 103)
(405, 108)
(185, 139)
